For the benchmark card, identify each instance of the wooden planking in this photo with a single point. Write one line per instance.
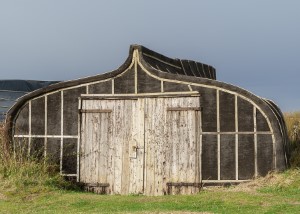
(171, 154)
(149, 156)
(107, 143)
(136, 148)
(114, 144)
(124, 138)
(155, 141)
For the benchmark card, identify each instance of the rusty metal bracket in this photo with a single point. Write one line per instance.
(182, 184)
(99, 188)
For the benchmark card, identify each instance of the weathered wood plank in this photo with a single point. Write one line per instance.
(138, 133)
(183, 137)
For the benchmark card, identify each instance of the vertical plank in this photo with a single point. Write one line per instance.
(191, 149)
(149, 151)
(182, 151)
(126, 128)
(160, 138)
(136, 148)
(118, 145)
(83, 139)
(111, 156)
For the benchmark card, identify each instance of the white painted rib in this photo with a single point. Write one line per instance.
(236, 139)
(255, 143)
(200, 145)
(47, 136)
(219, 137)
(224, 181)
(46, 126)
(196, 93)
(135, 71)
(78, 140)
(61, 129)
(29, 139)
(69, 175)
(257, 132)
(75, 136)
(274, 152)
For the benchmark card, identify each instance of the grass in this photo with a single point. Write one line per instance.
(276, 193)
(292, 120)
(30, 186)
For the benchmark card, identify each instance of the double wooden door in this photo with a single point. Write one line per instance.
(145, 146)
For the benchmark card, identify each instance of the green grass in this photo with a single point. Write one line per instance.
(292, 120)
(277, 193)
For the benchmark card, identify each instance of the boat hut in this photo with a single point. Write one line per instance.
(154, 126)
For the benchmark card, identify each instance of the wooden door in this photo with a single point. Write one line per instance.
(144, 145)
(112, 146)
(172, 135)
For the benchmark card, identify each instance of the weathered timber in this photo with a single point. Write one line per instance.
(141, 128)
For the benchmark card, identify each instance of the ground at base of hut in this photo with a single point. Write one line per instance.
(275, 193)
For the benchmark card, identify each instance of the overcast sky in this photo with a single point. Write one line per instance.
(252, 44)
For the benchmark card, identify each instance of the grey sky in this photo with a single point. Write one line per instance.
(252, 44)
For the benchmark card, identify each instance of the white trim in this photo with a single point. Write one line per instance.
(196, 93)
(236, 139)
(274, 152)
(200, 145)
(47, 136)
(29, 119)
(190, 87)
(162, 86)
(135, 71)
(46, 126)
(225, 181)
(113, 86)
(75, 175)
(78, 139)
(218, 134)
(219, 157)
(255, 142)
(61, 128)
(257, 132)
(87, 89)
(76, 136)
